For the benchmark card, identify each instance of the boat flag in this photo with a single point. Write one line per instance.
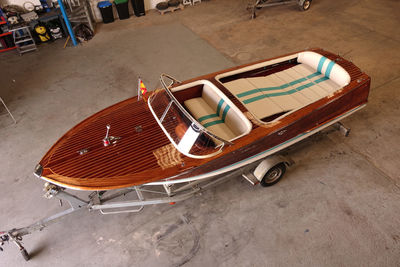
(141, 88)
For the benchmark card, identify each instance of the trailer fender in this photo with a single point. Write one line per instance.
(265, 165)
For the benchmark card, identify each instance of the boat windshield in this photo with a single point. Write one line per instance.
(184, 132)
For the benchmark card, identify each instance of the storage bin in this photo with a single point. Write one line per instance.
(106, 11)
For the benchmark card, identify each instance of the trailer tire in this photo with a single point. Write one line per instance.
(273, 175)
(25, 254)
(305, 5)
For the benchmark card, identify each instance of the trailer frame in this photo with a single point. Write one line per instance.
(148, 194)
(304, 5)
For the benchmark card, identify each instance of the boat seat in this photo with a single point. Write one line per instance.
(215, 114)
(260, 107)
(315, 77)
(208, 117)
(325, 66)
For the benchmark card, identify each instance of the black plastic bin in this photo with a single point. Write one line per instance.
(106, 11)
(138, 7)
(122, 8)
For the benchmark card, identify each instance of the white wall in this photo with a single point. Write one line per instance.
(151, 4)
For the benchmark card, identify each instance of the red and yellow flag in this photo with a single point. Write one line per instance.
(142, 87)
(142, 90)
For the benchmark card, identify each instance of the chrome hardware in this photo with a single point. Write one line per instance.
(38, 170)
(106, 139)
(83, 151)
(114, 139)
(50, 190)
(138, 129)
(282, 132)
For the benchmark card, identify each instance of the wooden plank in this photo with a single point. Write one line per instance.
(171, 9)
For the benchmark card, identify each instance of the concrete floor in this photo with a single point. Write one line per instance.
(338, 206)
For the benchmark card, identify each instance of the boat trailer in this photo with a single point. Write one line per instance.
(267, 171)
(304, 5)
(143, 195)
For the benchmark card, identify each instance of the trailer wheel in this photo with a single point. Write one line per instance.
(305, 5)
(25, 254)
(273, 175)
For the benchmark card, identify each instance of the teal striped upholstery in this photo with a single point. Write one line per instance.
(216, 117)
(284, 86)
(212, 113)
(289, 89)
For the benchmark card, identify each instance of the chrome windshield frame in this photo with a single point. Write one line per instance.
(184, 111)
(193, 121)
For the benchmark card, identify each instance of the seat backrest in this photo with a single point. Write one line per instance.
(223, 110)
(325, 66)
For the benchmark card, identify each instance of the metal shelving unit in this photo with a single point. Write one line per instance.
(3, 35)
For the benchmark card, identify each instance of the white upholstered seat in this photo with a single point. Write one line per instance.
(315, 77)
(216, 115)
(259, 107)
(208, 117)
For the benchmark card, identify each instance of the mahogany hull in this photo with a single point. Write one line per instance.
(144, 154)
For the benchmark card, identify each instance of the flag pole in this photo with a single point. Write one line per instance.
(138, 90)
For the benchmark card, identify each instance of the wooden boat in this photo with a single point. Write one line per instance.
(207, 126)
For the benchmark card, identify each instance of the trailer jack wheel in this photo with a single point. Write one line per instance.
(304, 5)
(273, 175)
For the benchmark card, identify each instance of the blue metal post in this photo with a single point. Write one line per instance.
(70, 30)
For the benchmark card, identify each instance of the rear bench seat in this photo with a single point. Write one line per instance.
(315, 77)
(216, 115)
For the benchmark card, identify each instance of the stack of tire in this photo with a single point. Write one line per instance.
(164, 5)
